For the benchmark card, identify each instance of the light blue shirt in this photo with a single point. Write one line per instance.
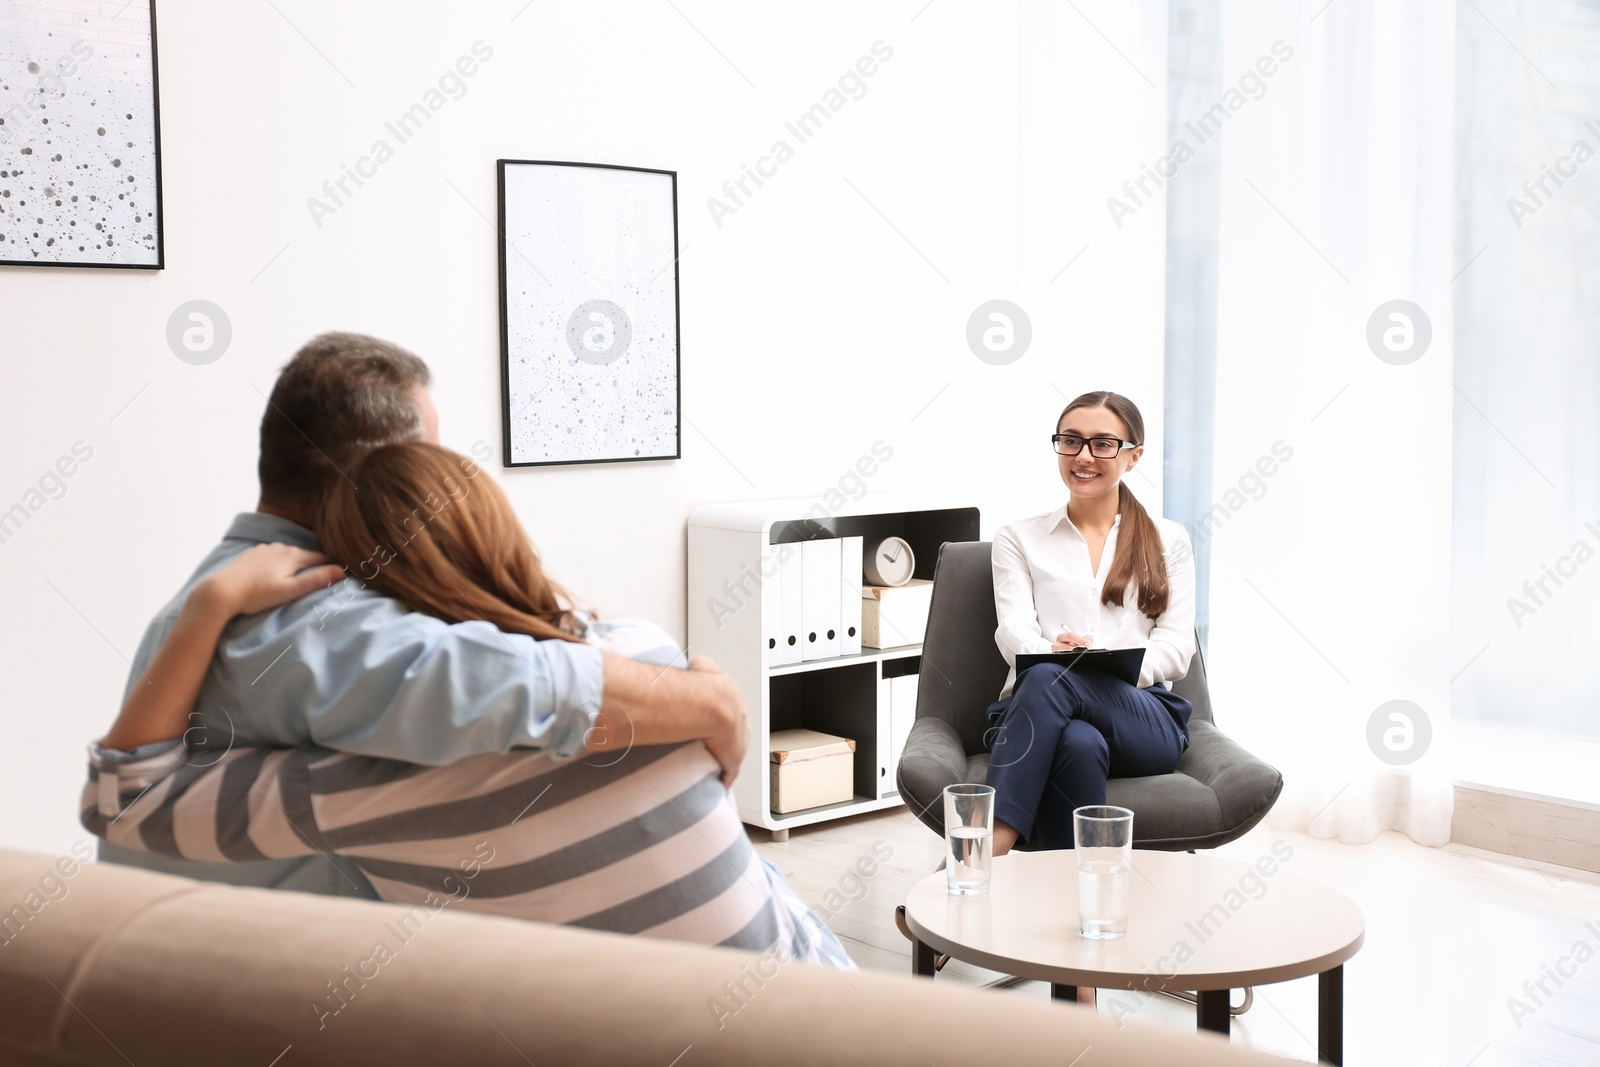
(349, 669)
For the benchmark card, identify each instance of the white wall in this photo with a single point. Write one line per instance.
(810, 327)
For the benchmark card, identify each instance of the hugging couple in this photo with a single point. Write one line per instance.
(371, 688)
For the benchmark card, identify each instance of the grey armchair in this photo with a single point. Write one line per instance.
(1218, 792)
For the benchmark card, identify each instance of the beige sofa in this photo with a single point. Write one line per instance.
(111, 965)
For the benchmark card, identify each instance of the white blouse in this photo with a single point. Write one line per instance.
(1044, 585)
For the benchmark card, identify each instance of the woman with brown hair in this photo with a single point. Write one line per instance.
(638, 839)
(1096, 572)
(412, 521)
(423, 528)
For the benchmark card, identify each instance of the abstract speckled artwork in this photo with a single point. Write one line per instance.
(79, 156)
(588, 312)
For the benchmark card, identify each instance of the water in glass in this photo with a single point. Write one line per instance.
(969, 864)
(1104, 886)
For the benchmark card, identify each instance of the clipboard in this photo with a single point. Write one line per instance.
(1123, 663)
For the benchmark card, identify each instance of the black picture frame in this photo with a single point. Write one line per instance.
(506, 413)
(160, 214)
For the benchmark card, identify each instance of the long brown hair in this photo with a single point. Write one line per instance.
(1139, 560)
(414, 521)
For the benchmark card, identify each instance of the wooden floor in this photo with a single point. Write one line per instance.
(1452, 936)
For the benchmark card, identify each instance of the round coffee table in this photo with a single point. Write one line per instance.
(1195, 923)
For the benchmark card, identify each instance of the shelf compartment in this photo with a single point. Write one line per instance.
(842, 702)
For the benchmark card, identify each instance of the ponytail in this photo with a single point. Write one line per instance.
(1139, 560)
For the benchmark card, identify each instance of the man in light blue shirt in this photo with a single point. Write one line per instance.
(349, 669)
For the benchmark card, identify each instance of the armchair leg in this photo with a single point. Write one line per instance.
(935, 961)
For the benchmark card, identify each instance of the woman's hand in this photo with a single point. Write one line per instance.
(266, 576)
(1068, 640)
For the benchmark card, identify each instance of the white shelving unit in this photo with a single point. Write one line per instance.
(730, 546)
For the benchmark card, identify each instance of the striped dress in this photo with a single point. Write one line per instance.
(640, 842)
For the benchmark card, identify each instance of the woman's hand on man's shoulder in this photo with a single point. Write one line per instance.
(266, 576)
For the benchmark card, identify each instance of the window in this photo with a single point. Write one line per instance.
(1526, 495)
(1194, 81)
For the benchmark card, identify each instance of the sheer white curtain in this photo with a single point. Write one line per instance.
(1331, 567)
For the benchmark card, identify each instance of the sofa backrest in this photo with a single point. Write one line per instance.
(103, 964)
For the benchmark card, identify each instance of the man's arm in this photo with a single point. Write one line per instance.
(644, 704)
(356, 672)
(350, 670)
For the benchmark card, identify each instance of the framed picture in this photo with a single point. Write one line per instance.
(80, 135)
(588, 312)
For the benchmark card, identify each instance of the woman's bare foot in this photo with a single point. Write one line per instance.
(1086, 995)
(1004, 838)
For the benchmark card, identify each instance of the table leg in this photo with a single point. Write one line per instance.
(1063, 992)
(1330, 1016)
(922, 958)
(1211, 1010)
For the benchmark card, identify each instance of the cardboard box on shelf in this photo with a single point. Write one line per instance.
(895, 614)
(810, 769)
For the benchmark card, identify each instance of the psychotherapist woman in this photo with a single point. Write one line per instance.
(1097, 572)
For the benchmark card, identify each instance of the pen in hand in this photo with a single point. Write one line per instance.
(1066, 640)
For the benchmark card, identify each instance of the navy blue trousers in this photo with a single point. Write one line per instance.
(1062, 733)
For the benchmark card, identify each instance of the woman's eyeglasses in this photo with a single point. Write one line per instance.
(1099, 447)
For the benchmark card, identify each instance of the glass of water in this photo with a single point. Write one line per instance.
(1104, 836)
(969, 832)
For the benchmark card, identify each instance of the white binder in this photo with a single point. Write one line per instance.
(849, 596)
(903, 712)
(772, 635)
(819, 606)
(790, 585)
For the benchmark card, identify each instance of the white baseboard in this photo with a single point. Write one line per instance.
(1532, 827)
